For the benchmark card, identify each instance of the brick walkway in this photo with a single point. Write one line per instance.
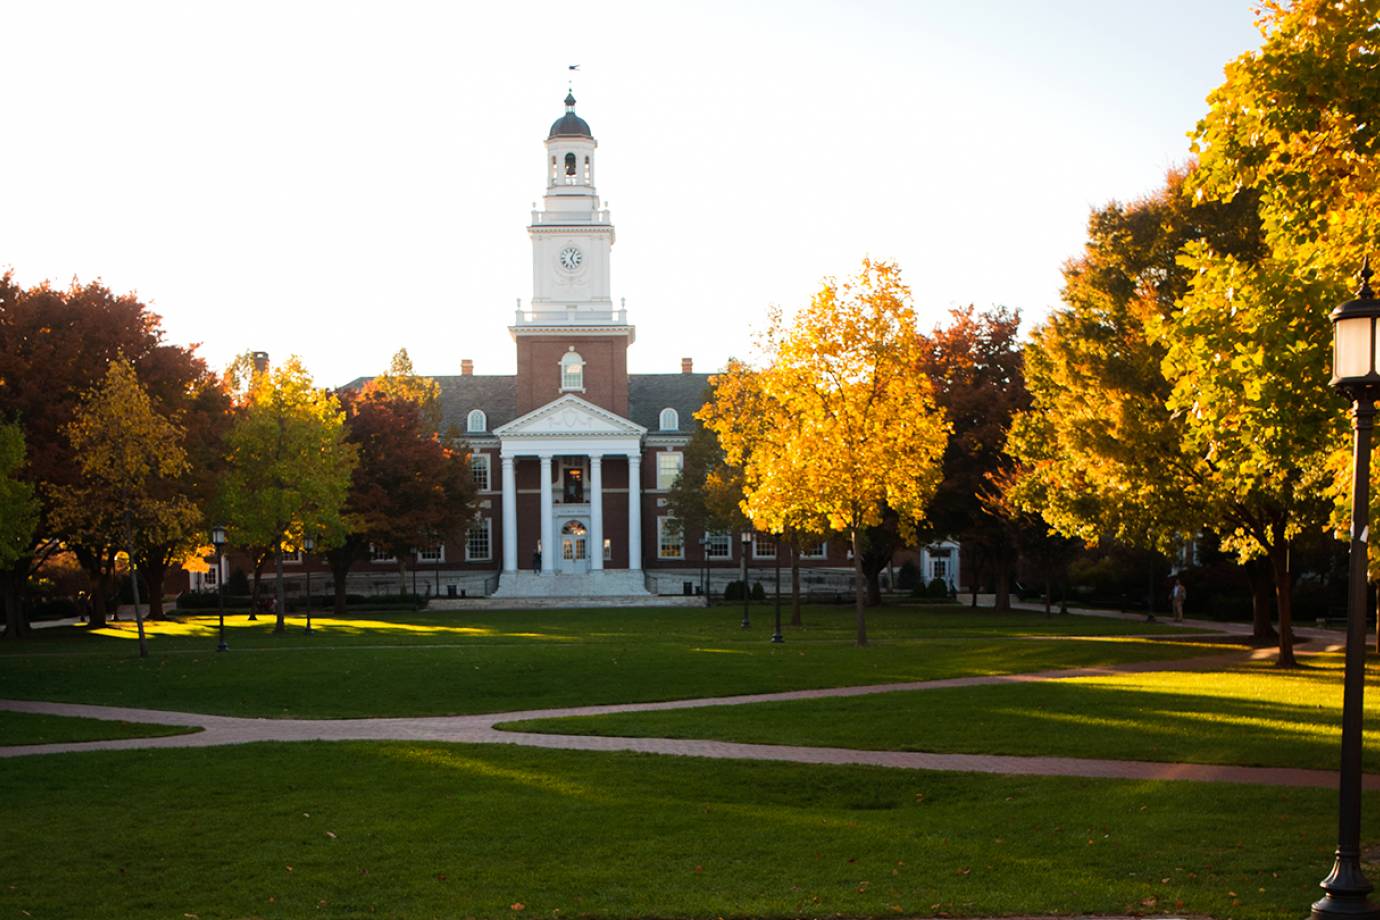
(479, 729)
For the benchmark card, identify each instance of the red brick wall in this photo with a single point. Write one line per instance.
(539, 370)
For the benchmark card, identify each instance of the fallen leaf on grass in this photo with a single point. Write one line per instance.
(962, 870)
(518, 905)
(1149, 902)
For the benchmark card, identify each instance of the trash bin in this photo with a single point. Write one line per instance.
(687, 588)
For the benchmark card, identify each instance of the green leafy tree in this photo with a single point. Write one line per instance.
(289, 468)
(403, 382)
(1101, 454)
(18, 518)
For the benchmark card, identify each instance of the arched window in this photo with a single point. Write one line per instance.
(570, 164)
(476, 421)
(670, 420)
(572, 371)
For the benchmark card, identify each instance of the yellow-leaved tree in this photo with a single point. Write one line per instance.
(126, 452)
(840, 426)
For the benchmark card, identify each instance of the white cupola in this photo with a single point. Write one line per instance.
(572, 236)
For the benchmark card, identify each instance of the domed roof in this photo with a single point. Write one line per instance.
(570, 124)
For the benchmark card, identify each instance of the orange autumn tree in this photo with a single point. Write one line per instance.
(844, 428)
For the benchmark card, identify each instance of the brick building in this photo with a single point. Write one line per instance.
(572, 454)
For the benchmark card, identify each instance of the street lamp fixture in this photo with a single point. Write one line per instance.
(308, 546)
(747, 544)
(218, 541)
(1355, 376)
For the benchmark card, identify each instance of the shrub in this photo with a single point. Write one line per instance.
(908, 579)
(759, 593)
(937, 587)
(237, 584)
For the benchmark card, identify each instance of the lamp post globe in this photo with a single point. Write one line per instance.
(1355, 376)
(218, 541)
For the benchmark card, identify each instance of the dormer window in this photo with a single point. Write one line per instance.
(670, 420)
(476, 421)
(572, 371)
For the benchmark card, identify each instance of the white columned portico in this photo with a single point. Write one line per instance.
(596, 512)
(635, 511)
(510, 559)
(548, 541)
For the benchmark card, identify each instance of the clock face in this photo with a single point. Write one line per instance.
(571, 258)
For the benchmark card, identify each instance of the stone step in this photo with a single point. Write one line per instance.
(618, 583)
(560, 603)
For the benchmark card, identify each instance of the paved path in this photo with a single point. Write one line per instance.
(479, 729)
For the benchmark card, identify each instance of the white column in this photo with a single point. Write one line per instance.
(596, 512)
(635, 511)
(548, 542)
(510, 559)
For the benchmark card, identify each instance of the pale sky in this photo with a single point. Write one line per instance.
(338, 180)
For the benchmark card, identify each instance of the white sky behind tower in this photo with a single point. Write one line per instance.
(337, 180)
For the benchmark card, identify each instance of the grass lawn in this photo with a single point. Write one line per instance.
(1253, 714)
(36, 728)
(428, 830)
(456, 663)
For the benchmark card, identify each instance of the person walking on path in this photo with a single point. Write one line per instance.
(1176, 597)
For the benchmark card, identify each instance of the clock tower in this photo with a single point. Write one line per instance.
(571, 339)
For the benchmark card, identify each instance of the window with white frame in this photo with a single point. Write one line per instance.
(818, 550)
(477, 421)
(380, 554)
(435, 553)
(572, 371)
(763, 546)
(670, 541)
(670, 420)
(718, 546)
(478, 545)
(668, 467)
(939, 568)
(479, 469)
(209, 576)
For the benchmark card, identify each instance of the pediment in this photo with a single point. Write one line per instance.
(570, 416)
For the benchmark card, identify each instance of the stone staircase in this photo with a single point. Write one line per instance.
(531, 591)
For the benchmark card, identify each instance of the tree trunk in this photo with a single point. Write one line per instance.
(1284, 597)
(341, 560)
(1048, 592)
(280, 625)
(795, 584)
(154, 568)
(1003, 601)
(1262, 589)
(256, 592)
(860, 592)
(15, 627)
(874, 588)
(972, 580)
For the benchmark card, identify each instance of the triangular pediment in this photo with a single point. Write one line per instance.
(570, 416)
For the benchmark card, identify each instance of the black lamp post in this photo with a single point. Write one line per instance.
(776, 636)
(1355, 376)
(218, 541)
(704, 567)
(747, 544)
(308, 544)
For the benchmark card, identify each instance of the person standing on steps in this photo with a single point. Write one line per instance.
(1177, 594)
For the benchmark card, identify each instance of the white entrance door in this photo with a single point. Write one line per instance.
(574, 548)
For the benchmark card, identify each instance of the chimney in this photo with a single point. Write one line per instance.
(260, 359)
(687, 365)
(467, 367)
